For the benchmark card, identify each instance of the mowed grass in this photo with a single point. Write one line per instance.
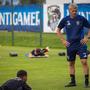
(30, 39)
(43, 73)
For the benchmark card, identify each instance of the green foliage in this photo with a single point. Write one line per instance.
(32, 1)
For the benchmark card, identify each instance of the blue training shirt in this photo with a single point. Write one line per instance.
(74, 27)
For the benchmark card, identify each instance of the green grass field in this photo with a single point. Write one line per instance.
(30, 39)
(43, 73)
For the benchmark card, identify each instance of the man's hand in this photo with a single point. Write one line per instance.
(84, 41)
(60, 35)
(65, 43)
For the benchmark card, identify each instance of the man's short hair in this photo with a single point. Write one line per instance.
(73, 5)
(21, 73)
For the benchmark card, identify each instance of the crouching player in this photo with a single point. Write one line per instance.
(18, 83)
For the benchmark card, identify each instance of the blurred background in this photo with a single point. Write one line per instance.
(32, 23)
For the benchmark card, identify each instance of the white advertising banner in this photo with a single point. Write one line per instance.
(52, 15)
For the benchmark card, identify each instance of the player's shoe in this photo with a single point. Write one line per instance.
(87, 83)
(71, 84)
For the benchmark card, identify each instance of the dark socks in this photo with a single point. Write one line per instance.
(72, 78)
(72, 83)
(86, 80)
(87, 76)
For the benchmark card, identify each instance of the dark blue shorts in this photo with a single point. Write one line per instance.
(74, 50)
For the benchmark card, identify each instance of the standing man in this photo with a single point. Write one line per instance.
(18, 83)
(75, 42)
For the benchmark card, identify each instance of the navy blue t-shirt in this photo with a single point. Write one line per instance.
(74, 27)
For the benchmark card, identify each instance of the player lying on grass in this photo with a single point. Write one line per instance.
(39, 52)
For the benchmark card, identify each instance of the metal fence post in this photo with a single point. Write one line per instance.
(12, 24)
(41, 27)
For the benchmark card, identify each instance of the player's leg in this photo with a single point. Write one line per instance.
(86, 71)
(72, 71)
(71, 60)
(72, 74)
(83, 56)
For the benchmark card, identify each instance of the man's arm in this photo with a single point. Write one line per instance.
(87, 25)
(85, 40)
(26, 87)
(60, 35)
(88, 35)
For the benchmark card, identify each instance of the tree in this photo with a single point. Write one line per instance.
(32, 1)
(38, 1)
